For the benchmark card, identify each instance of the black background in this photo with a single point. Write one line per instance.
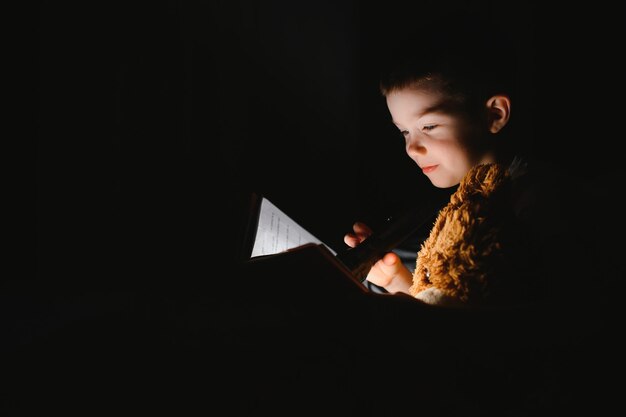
(156, 120)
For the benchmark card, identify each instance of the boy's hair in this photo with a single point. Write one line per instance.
(468, 59)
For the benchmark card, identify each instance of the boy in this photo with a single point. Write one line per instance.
(451, 101)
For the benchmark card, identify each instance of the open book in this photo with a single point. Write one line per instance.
(277, 232)
(270, 231)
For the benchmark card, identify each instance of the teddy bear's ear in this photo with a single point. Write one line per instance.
(481, 179)
(499, 112)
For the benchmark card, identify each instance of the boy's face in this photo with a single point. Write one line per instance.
(438, 136)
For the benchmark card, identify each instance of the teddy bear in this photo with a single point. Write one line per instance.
(476, 245)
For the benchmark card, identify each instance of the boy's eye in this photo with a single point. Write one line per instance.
(429, 127)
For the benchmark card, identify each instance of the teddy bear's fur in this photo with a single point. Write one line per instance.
(468, 257)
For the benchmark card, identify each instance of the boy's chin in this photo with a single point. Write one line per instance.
(439, 183)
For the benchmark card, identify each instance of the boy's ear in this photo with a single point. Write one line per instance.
(498, 112)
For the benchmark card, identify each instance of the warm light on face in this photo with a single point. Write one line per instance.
(435, 136)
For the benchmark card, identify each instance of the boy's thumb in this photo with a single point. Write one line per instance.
(390, 264)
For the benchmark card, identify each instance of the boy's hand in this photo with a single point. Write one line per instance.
(361, 231)
(389, 272)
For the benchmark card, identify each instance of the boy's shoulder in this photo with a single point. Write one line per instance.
(549, 199)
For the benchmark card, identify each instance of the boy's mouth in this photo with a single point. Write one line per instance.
(429, 168)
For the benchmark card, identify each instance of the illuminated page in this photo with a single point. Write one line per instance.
(277, 232)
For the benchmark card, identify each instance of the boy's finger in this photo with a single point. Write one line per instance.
(351, 240)
(361, 230)
(390, 264)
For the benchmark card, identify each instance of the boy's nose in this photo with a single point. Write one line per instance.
(415, 147)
